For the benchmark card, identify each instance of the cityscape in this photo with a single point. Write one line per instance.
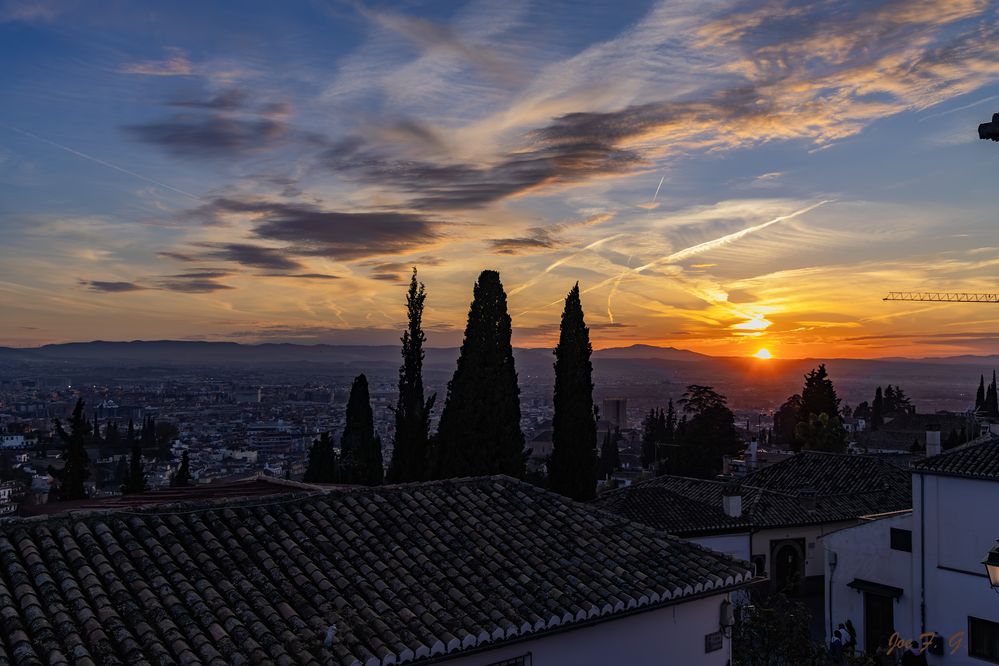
(499, 334)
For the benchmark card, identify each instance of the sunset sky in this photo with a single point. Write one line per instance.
(718, 175)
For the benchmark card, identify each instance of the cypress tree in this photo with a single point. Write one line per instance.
(610, 455)
(573, 465)
(980, 396)
(648, 452)
(136, 481)
(77, 467)
(322, 464)
(360, 447)
(878, 410)
(479, 431)
(992, 398)
(412, 414)
(183, 475)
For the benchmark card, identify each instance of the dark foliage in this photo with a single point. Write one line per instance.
(360, 448)
(573, 465)
(323, 465)
(182, 477)
(479, 431)
(411, 450)
(77, 468)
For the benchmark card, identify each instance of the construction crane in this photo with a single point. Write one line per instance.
(941, 297)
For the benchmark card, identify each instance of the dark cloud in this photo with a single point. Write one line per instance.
(255, 256)
(539, 239)
(210, 136)
(228, 100)
(178, 256)
(204, 274)
(398, 271)
(111, 287)
(310, 230)
(193, 286)
(304, 276)
(462, 185)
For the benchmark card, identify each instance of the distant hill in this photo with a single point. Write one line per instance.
(650, 351)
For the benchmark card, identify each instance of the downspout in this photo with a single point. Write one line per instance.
(922, 554)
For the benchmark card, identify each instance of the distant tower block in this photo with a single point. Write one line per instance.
(615, 410)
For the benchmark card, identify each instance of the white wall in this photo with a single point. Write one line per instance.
(863, 552)
(961, 523)
(671, 635)
(814, 558)
(736, 545)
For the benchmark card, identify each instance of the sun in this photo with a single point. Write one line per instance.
(763, 353)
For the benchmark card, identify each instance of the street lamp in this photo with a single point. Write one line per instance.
(991, 563)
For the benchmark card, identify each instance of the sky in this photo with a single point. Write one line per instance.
(718, 175)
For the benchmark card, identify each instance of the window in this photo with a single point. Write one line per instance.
(983, 639)
(523, 660)
(901, 540)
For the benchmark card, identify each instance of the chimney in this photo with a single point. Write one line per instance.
(806, 497)
(732, 500)
(932, 440)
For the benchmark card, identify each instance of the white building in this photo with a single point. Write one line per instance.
(920, 573)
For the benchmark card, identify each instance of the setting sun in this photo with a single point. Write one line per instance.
(763, 353)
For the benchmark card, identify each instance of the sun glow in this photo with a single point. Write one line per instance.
(763, 353)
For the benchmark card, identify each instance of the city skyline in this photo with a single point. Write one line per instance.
(723, 177)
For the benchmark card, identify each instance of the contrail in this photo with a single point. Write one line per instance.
(657, 189)
(102, 162)
(693, 250)
(960, 108)
(561, 261)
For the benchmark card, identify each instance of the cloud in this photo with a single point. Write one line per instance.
(544, 238)
(178, 256)
(176, 63)
(210, 136)
(29, 11)
(192, 286)
(255, 256)
(303, 276)
(111, 287)
(227, 100)
(311, 230)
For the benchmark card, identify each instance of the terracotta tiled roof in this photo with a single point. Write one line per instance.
(978, 459)
(405, 573)
(805, 489)
(659, 506)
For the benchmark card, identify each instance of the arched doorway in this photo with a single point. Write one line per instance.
(788, 565)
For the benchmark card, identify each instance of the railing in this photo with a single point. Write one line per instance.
(941, 297)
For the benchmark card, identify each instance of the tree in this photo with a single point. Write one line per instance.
(992, 398)
(479, 430)
(822, 433)
(77, 468)
(708, 435)
(775, 632)
(610, 455)
(573, 465)
(322, 466)
(818, 396)
(862, 411)
(360, 448)
(649, 435)
(182, 477)
(785, 421)
(980, 396)
(410, 451)
(136, 481)
(878, 410)
(164, 434)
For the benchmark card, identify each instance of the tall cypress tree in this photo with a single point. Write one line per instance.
(878, 410)
(980, 396)
(136, 481)
(610, 455)
(182, 477)
(77, 467)
(573, 466)
(412, 414)
(322, 465)
(360, 447)
(479, 431)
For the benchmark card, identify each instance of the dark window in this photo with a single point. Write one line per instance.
(901, 539)
(523, 660)
(983, 639)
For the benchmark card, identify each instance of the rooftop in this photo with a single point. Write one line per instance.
(405, 573)
(845, 487)
(978, 459)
